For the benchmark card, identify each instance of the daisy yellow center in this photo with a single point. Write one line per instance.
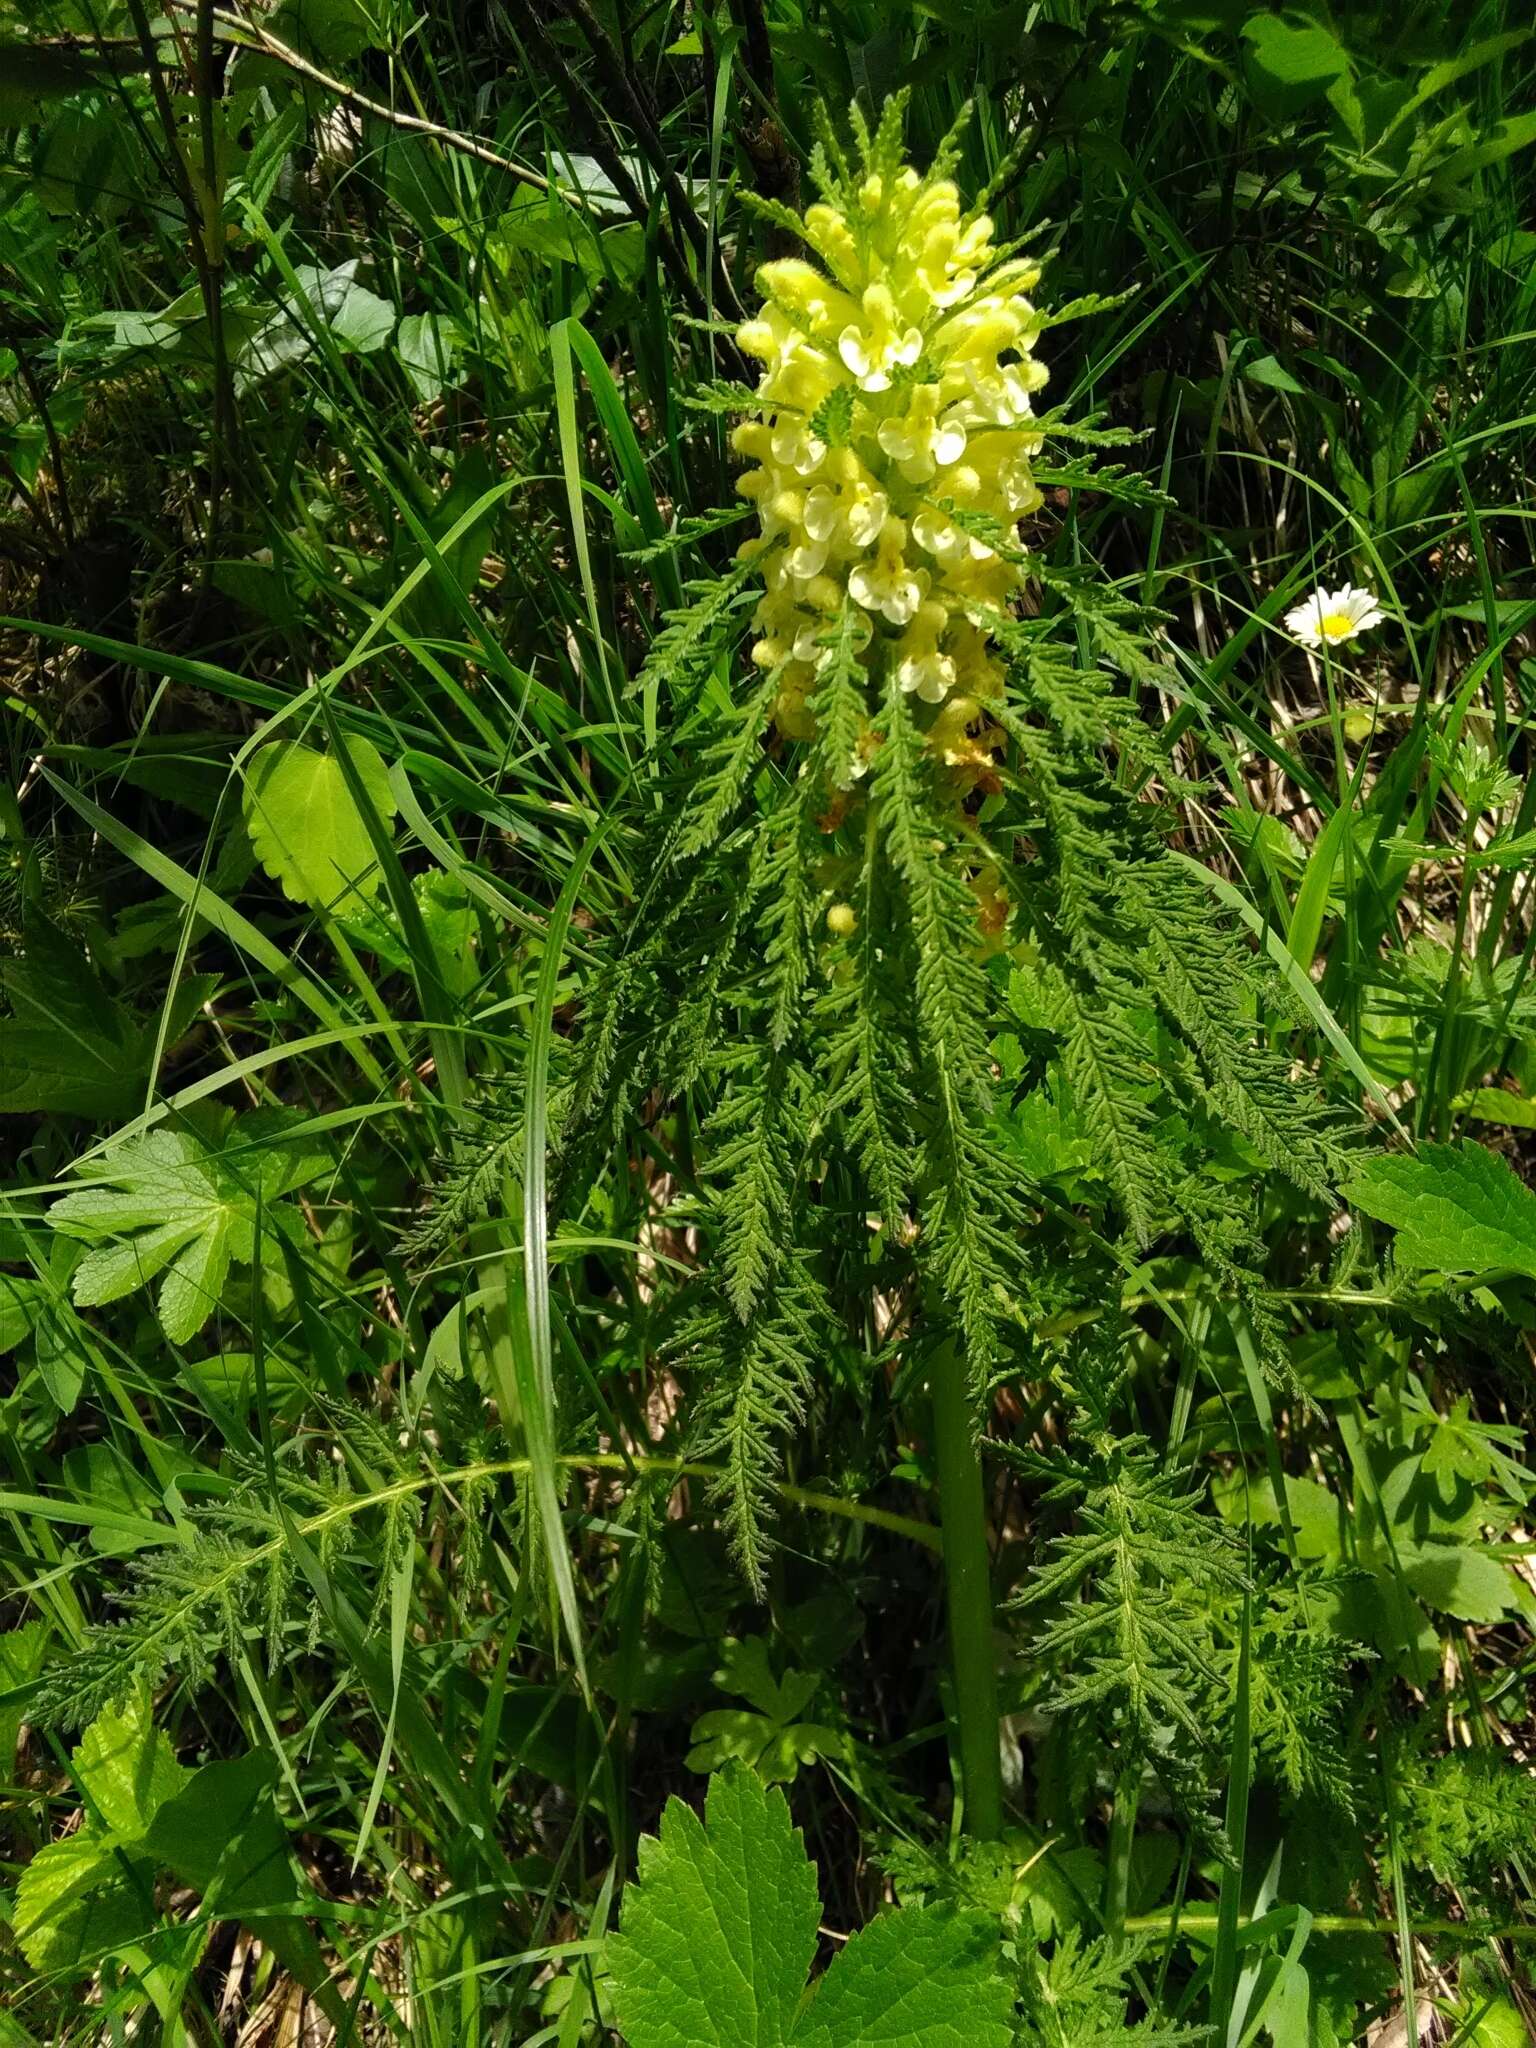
(1336, 625)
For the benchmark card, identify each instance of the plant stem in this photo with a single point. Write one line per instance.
(968, 1587)
(1122, 1835)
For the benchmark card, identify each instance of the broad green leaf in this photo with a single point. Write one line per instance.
(165, 1202)
(720, 1930)
(1455, 1208)
(32, 78)
(69, 1046)
(1272, 373)
(361, 320)
(1503, 139)
(22, 1301)
(356, 318)
(923, 1977)
(718, 1934)
(128, 1769)
(1498, 1106)
(222, 1835)
(21, 1658)
(95, 1889)
(1299, 55)
(79, 1898)
(62, 1347)
(428, 348)
(305, 824)
(70, 1076)
(1468, 1584)
(336, 31)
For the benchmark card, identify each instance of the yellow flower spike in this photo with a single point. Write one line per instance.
(948, 737)
(806, 295)
(895, 444)
(876, 344)
(792, 446)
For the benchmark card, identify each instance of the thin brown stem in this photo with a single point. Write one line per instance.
(253, 36)
(637, 111)
(763, 139)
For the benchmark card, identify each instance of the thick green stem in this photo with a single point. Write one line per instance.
(968, 1586)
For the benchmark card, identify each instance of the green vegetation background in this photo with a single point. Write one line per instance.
(356, 444)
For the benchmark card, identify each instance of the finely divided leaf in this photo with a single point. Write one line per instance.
(1455, 1208)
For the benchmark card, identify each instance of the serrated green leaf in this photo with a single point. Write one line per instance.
(77, 1899)
(128, 1769)
(114, 1270)
(718, 1934)
(190, 1291)
(70, 1047)
(924, 1977)
(306, 827)
(1455, 1208)
(21, 1657)
(84, 1895)
(66, 1076)
(165, 1200)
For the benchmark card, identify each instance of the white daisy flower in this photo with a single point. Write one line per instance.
(1329, 616)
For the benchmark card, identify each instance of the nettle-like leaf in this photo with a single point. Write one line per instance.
(1455, 1208)
(719, 1933)
(216, 1830)
(70, 1046)
(307, 827)
(167, 1203)
(83, 1895)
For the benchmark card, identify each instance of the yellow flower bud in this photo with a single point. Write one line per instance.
(842, 920)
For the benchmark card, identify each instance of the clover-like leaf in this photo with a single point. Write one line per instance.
(773, 1739)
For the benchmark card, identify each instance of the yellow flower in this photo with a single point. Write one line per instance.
(894, 441)
(887, 585)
